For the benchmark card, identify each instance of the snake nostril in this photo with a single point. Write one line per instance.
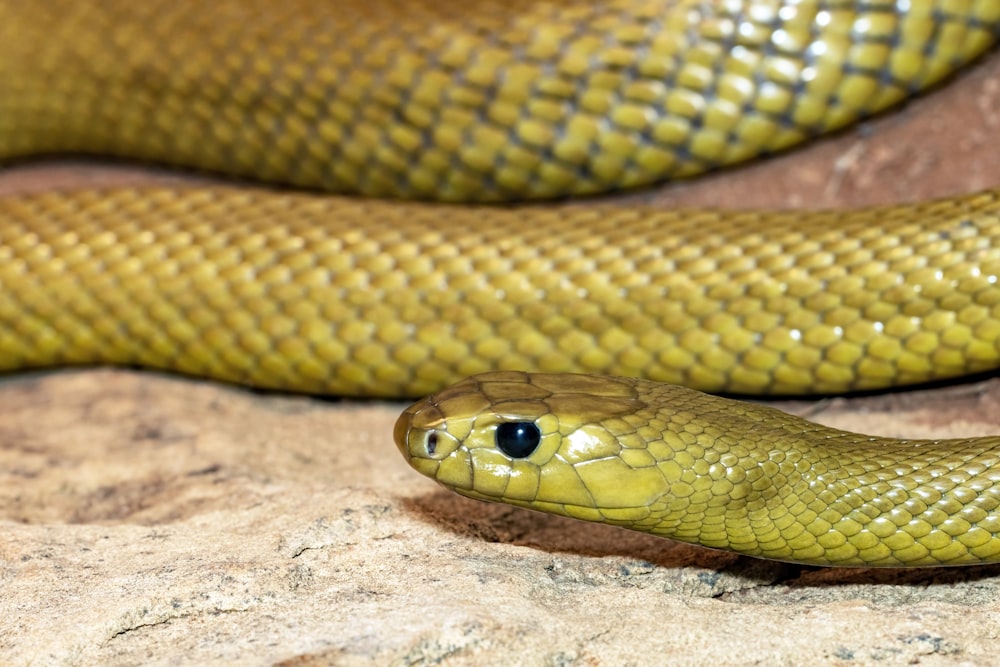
(432, 442)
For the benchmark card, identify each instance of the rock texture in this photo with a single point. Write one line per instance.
(156, 520)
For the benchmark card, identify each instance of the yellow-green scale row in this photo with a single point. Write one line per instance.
(367, 298)
(483, 100)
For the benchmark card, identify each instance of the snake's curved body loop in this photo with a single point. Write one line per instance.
(483, 101)
(359, 298)
(489, 100)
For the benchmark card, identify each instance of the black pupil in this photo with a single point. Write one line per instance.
(518, 439)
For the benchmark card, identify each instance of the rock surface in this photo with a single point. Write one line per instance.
(156, 520)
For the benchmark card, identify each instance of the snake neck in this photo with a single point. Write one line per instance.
(804, 493)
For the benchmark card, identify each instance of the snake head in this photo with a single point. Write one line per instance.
(542, 441)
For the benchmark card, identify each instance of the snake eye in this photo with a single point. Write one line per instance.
(518, 439)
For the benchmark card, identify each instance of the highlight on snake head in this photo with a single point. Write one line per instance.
(719, 473)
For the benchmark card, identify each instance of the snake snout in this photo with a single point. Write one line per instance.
(422, 437)
(401, 432)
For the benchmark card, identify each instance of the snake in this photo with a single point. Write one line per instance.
(387, 231)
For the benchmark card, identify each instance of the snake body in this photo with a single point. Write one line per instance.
(490, 101)
(483, 100)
